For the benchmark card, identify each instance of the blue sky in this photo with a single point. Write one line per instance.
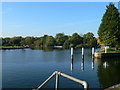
(39, 18)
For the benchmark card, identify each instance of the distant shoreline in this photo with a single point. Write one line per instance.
(23, 47)
(11, 47)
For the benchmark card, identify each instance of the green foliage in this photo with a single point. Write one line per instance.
(15, 41)
(109, 30)
(50, 41)
(89, 39)
(66, 44)
(29, 41)
(88, 36)
(110, 50)
(39, 42)
(76, 39)
(60, 39)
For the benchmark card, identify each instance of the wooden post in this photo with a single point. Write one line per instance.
(82, 53)
(71, 53)
(92, 52)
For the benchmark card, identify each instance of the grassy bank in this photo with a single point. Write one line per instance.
(111, 53)
(11, 47)
(109, 50)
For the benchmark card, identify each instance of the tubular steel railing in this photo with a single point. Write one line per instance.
(84, 83)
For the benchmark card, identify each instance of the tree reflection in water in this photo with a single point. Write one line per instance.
(108, 71)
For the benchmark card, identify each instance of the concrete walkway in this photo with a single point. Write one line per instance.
(115, 87)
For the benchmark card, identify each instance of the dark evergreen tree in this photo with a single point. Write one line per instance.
(109, 31)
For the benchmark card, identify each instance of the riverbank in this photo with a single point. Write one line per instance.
(12, 47)
(111, 52)
(114, 87)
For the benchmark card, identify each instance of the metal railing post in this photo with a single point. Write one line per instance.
(46, 81)
(84, 83)
(57, 81)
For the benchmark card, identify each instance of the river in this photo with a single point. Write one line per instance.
(28, 68)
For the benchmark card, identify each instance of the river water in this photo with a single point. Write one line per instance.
(28, 68)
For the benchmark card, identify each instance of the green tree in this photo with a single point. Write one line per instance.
(15, 41)
(66, 44)
(3, 43)
(22, 42)
(6, 42)
(109, 30)
(76, 39)
(39, 42)
(60, 39)
(29, 41)
(89, 39)
(50, 41)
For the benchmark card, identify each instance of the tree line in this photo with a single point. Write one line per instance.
(66, 41)
(108, 32)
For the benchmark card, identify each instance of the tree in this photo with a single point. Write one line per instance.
(66, 44)
(29, 41)
(40, 42)
(89, 39)
(15, 41)
(50, 41)
(60, 39)
(76, 39)
(43, 40)
(22, 42)
(6, 42)
(109, 30)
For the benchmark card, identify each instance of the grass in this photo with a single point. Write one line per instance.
(9, 47)
(110, 50)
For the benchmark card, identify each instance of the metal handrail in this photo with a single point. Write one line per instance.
(84, 83)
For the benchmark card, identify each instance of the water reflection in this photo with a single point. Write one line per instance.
(108, 71)
(92, 63)
(105, 64)
(71, 65)
(46, 49)
(82, 65)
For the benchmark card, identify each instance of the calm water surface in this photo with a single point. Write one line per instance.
(27, 68)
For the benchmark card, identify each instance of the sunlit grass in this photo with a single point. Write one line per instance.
(109, 50)
(5, 47)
